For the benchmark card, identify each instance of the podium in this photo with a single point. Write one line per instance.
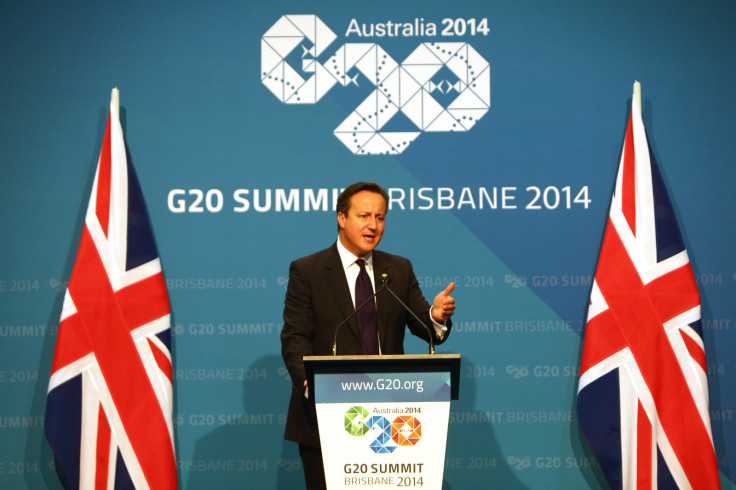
(383, 419)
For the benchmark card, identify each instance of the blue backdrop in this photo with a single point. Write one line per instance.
(239, 183)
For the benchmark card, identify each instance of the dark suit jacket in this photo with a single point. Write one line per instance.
(318, 299)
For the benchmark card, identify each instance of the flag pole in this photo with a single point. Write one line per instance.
(115, 100)
(637, 96)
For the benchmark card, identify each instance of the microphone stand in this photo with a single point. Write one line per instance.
(384, 279)
(347, 319)
(384, 285)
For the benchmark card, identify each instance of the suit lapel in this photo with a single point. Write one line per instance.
(335, 277)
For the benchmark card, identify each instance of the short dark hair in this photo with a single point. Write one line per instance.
(343, 200)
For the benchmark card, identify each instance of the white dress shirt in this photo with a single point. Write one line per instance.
(351, 274)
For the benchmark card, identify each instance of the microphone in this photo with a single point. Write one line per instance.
(384, 280)
(347, 319)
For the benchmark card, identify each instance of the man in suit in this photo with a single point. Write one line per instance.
(322, 292)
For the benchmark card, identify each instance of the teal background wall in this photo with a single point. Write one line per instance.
(198, 118)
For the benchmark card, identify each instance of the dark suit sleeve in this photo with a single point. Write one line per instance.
(298, 330)
(421, 307)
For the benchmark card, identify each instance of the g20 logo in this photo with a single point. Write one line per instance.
(402, 431)
(405, 87)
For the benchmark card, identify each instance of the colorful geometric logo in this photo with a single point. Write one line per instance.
(354, 421)
(404, 430)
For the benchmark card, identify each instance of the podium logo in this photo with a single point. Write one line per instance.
(402, 431)
(402, 105)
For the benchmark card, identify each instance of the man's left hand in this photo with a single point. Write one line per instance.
(443, 305)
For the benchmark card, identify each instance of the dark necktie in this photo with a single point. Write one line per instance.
(367, 316)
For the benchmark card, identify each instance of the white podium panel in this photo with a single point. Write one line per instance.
(382, 428)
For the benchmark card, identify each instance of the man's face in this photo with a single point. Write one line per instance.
(362, 228)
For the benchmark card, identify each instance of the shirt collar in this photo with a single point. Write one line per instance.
(348, 258)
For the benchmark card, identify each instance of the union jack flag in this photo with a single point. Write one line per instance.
(643, 392)
(109, 402)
